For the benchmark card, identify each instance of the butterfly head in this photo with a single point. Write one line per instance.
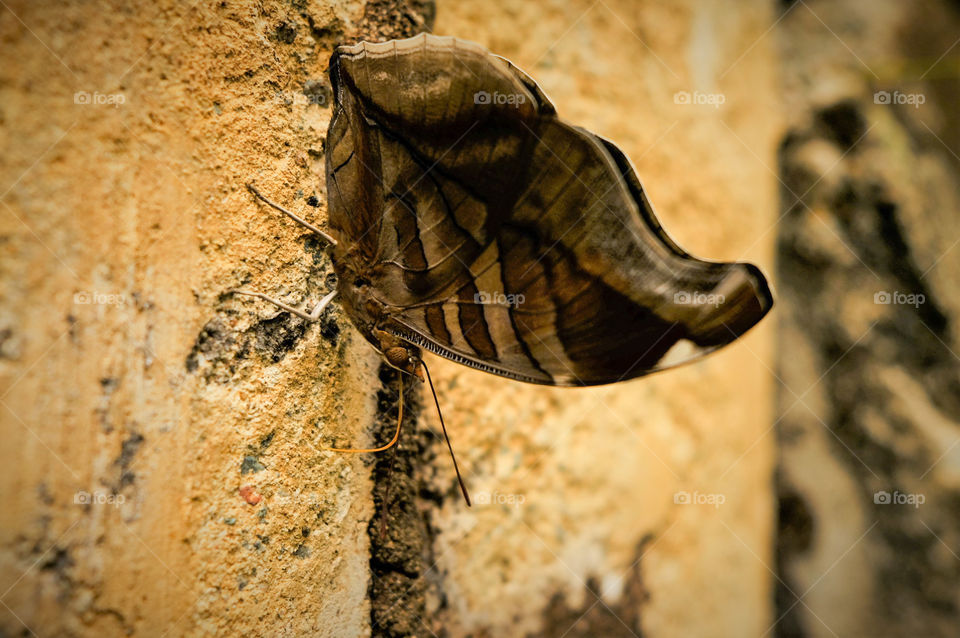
(400, 354)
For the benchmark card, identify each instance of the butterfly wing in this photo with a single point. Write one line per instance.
(503, 238)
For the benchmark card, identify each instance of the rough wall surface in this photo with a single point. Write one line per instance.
(163, 471)
(870, 397)
(129, 373)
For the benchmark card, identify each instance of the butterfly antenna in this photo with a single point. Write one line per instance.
(396, 435)
(463, 488)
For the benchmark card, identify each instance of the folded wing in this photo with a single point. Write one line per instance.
(505, 239)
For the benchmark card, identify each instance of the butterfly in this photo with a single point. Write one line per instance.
(467, 219)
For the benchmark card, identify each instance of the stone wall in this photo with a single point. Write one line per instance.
(163, 471)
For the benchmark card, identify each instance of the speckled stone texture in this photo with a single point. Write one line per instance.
(163, 471)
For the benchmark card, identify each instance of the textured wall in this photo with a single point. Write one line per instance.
(193, 419)
(128, 373)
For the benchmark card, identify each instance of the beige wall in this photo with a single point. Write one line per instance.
(164, 392)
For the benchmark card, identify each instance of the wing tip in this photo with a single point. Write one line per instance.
(763, 291)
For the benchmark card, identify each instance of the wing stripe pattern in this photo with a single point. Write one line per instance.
(473, 325)
(436, 321)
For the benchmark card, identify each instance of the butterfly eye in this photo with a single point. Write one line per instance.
(397, 356)
(360, 282)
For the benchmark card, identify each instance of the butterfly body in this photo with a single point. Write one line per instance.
(367, 312)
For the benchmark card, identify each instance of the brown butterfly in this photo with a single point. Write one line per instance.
(467, 219)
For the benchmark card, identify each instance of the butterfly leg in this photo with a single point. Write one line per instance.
(314, 314)
(330, 240)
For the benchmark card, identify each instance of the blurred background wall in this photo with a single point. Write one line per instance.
(163, 471)
(868, 271)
